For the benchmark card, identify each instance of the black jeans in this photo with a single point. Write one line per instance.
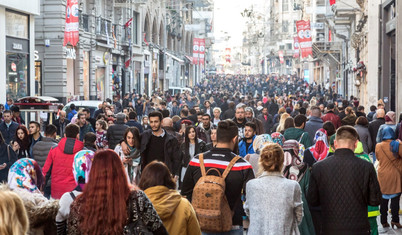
(394, 209)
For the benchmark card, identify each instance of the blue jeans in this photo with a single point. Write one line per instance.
(232, 232)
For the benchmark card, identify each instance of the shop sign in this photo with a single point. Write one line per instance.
(106, 57)
(70, 53)
(17, 46)
(36, 55)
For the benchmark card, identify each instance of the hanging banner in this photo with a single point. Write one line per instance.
(202, 51)
(281, 60)
(305, 40)
(71, 31)
(227, 54)
(296, 46)
(196, 50)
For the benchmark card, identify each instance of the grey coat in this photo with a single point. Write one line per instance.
(42, 148)
(312, 126)
(365, 138)
(274, 205)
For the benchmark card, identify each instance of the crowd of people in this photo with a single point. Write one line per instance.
(262, 154)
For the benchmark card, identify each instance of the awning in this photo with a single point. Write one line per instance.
(175, 57)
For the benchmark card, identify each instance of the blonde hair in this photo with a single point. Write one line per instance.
(13, 216)
(281, 125)
(271, 158)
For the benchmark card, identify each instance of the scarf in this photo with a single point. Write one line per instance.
(389, 134)
(26, 174)
(260, 141)
(278, 138)
(294, 168)
(82, 166)
(320, 149)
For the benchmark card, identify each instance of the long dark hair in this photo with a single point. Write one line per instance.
(24, 143)
(187, 139)
(136, 134)
(156, 173)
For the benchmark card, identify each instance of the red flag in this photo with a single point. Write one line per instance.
(332, 2)
(145, 39)
(71, 31)
(196, 49)
(281, 60)
(128, 23)
(202, 50)
(305, 40)
(127, 63)
(228, 51)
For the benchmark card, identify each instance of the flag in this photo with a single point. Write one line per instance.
(296, 46)
(71, 31)
(145, 39)
(196, 49)
(127, 63)
(202, 51)
(332, 2)
(304, 36)
(128, 23)
(281, 59)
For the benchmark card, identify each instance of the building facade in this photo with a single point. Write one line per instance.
(17, 49)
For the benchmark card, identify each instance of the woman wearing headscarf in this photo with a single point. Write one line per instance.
(389, 121)
(259, 143)
(278, 138)
(389, 153)
(295, 169)
(319, 151)
(26, 179)
(81, 167)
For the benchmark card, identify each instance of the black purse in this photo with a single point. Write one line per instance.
(135, 226)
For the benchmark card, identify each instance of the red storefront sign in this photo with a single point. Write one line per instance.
(71, 31)
(202, 51)
(304, 35)
(196, 50)
(296, 46)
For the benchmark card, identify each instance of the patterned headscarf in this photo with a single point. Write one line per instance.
(294, 168)
(278, 138)
(26, 174)
(320, 149)
(82, 165)
(260, 141)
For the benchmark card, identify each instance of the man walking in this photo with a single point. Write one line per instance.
(314, 123)
(85, 126)
(34, 132)
(297, 133)
(8, 128)
(42, 148)
(61, 123)
(344, 185)
(246, 144)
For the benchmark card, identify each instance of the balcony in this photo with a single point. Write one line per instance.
(103, 26)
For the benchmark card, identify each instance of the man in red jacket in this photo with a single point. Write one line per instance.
(60, 162)
(332, 117)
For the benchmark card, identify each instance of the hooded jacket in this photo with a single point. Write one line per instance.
(299, 135)
(60, 162)
(176, 212)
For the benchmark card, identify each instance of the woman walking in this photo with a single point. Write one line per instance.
(282, 210)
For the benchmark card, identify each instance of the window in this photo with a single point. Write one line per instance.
(135, 27)
(285, 5)
(285, 26)
(17, 25)
(289, 46)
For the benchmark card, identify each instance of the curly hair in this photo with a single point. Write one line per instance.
(271, 158)
(104, 199)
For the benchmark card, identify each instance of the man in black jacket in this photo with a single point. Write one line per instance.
(8, 128)
(374, 126)
(116, 132)
(158, 144)
(61, 123)
(344, 185)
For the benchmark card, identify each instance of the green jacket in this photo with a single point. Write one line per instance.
(373, 211)
(295, 134)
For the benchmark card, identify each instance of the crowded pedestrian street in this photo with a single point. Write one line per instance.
(209, 117)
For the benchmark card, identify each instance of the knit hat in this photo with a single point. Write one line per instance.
(390, 117)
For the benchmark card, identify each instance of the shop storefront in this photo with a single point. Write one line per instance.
(17, 55)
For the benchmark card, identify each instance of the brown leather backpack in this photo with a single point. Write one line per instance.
(209, 199)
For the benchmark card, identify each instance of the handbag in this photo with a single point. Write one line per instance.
(135, 226)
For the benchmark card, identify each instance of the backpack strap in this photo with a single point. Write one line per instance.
(202, 167)
(231, 164)
(301, 137)
(72, 195)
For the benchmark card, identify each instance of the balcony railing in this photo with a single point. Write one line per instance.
(103, 26)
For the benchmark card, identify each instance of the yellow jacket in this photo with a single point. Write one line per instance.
(176, 212)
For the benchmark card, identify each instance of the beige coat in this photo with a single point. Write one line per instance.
(389, 169)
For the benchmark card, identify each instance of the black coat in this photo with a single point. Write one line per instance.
(115, 134)
(8, 133)
(228, 114)
(171, 151)
(4, 159)
(373, 129)
(200, 147)
(344, 185)
(59, 126)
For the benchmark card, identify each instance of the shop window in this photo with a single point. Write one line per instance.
(38, 78)
(17, 25)
(17, 75)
